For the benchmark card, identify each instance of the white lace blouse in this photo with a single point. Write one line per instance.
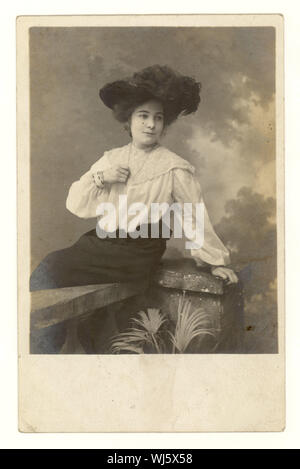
(156, 176)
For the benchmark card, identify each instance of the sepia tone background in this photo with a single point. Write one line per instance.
(230, 140)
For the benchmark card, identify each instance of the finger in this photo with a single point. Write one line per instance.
(235, 278)
(229, 278)
(123, 172)
(232, 277)
(123, 168)
(219, 273)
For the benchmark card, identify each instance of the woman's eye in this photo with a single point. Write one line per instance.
(143, 116)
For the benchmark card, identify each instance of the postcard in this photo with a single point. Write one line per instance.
(151, 223)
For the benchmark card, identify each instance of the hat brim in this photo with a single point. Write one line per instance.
(114, 93)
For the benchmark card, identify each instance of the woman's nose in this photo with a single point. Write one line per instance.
(151, 123)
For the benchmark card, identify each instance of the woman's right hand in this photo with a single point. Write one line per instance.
(116, 173)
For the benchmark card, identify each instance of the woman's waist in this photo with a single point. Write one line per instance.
(153, 231)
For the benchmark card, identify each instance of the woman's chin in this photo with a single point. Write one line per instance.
(146, 142)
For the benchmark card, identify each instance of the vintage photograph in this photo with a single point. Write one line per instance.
(153, 190)
(150, 223)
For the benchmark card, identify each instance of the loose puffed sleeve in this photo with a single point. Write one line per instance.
(212, 251)
(84, 196)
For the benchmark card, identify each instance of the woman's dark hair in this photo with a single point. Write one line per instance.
(124, 109)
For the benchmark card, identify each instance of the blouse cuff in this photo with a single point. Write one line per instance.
(98, 179)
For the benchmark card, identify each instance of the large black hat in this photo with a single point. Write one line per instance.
(179, 93)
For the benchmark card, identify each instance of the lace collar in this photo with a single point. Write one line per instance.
(147, 165)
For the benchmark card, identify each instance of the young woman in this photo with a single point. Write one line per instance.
(145, 172)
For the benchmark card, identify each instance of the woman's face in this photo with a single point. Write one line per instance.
(147, 124)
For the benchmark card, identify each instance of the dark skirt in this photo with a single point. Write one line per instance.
(92, 260)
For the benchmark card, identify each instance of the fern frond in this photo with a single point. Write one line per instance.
(189, 326)
(145, 334)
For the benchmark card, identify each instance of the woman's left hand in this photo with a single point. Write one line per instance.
(226, 274)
